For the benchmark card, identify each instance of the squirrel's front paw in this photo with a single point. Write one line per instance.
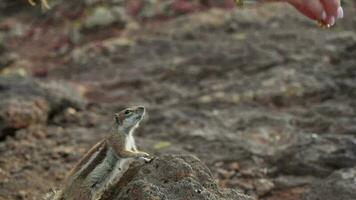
(147, 159)
(143, 154)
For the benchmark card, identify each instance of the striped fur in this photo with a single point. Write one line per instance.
(105, 162)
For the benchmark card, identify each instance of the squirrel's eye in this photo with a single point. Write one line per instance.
(127, 112)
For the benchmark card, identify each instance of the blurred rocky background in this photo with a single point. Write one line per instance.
(261, 95)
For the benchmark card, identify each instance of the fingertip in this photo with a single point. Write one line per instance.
(332, 21)
(332, 7)
(340, 13)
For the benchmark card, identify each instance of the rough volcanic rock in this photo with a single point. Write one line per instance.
(26, 101)
(61, 95)
(170, 177)
(58, 94)
(340, 185)
(318, 155)
(105, 16)
(17, 113)
(10, 7)
(150, 9)
(6, 57)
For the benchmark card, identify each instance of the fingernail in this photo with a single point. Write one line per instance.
(332, 21)
(323, 15)
(340, 12)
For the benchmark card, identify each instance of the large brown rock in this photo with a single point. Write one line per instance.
(170, 177)
(17, 113)
(27, 101)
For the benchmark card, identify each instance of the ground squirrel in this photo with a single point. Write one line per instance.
(104, 162)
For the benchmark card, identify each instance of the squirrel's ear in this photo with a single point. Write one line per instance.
(117, 119)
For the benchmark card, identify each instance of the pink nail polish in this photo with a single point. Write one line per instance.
(332, 21)
(340, 12)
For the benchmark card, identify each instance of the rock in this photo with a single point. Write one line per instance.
(105, 16)
(340, 185)
(284, 182)
(263, 186)
(152, 8)
(27, 101)
(16, 113)
(170, 177)
(6, 58)
(317, 155)
(10, 7)
(61, 95)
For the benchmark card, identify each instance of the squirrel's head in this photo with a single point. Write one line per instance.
(129, 118)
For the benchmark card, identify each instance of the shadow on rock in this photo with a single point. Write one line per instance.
(339, 185)
(318, 155)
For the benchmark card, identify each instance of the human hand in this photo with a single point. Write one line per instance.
(324, 11)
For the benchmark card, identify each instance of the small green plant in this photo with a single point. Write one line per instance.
(239, 2)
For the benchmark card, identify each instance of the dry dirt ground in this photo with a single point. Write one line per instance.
(261, 95)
